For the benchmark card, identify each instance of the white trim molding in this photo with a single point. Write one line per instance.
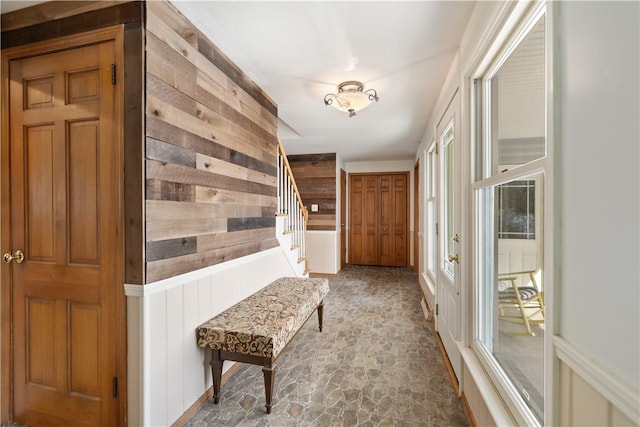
(619, 394)
(176, 281)
(494, 403)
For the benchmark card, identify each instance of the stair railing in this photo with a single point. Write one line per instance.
(290, 204)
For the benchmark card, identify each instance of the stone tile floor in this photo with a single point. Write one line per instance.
(376, 362)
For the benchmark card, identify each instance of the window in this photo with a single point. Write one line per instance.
(431, 211)
(509, 198)
(516, 207)
(448, 193)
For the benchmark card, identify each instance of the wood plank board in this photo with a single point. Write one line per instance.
(162, 209)
(161, 269)
(51, 11)
(216, 195)
(161, 229)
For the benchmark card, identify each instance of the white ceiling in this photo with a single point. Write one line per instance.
(298, 51)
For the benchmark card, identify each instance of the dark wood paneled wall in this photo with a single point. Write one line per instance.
(315, 175)
(210, 152)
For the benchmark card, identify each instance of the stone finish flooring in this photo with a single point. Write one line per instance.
(376, 362)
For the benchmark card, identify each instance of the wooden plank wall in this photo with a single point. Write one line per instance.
(315, 175)
(210, 152)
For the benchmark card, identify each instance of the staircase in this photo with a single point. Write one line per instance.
(291, 217)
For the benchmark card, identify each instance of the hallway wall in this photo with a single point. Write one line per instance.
(598, 193)
(168, 372)
(210, 202)
(210, 158)
(596, 96)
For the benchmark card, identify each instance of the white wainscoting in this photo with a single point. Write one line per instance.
(590, 394)
(167, 371)
(323, 251)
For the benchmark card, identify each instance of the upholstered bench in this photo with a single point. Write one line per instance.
(257, 329)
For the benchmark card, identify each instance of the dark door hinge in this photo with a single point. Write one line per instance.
(113, 74)
(115, 386)
(436, 309)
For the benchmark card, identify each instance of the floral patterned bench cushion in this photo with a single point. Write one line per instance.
(262, 324)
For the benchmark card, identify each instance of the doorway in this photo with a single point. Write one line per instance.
(378, 205)
(343, 218)
(62, 228)
(448, 301)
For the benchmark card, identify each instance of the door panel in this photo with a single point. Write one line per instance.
(378, 219)
(448, 288)
(400, 219)
(356, 223)
(387, 255)
(370, 212)
(65, 217)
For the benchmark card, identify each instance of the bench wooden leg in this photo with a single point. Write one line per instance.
(216, 372)
(320, 309)
(269, 371)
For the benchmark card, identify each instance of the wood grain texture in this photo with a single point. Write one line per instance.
(134, 185)
(51, 11)
(157, 270)
(316, 177)
(378, 218)
(50, 20)
(169, 248)
(63, 18)
(211, 141)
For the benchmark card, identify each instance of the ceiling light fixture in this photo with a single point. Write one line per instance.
(351, 97)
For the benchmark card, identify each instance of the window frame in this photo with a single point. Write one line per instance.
(506, 40)
(431, 222)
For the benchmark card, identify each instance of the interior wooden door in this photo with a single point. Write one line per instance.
(356, 221)
(343, 218)
(378, 224)
(371, 212)
(65, 214)
(393, 220)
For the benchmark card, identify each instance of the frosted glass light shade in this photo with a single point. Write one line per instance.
(351, 97)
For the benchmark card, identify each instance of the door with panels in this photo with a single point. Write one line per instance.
(378, 222)
(65, 243)
(448, 301)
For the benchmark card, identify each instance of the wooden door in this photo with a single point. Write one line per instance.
(448, 290)
(378, 222)
(363, 223)
(343, 218)
(356, 221)
(393, 220)
(65, 215)
(371, 212)
(400, 220)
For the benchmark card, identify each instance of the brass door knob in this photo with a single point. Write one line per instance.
(17, 255)
(453, 258)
